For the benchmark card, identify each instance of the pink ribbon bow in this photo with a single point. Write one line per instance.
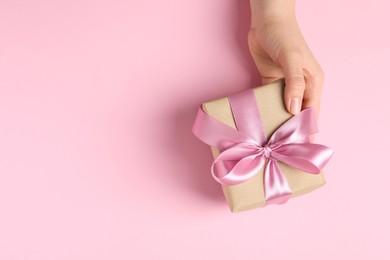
(245, 151)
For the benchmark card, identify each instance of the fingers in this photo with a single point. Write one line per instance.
(303, 86)
(295, 82)
(288, 57)
(312, 94)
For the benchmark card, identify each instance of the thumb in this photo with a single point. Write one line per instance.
(295, 83)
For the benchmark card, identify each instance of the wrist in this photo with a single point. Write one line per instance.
(271, 11)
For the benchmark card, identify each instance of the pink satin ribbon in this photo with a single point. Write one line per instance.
(245, 151)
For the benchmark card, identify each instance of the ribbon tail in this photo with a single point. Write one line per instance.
(276, 187)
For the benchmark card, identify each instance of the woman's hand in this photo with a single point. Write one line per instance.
(279, 50)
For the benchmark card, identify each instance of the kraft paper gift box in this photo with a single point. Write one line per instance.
(250, 194)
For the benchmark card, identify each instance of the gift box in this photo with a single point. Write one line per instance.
(262, 153)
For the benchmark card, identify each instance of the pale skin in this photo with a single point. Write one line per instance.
(279, 50)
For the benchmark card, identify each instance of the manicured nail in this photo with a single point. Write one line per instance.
(295, 105)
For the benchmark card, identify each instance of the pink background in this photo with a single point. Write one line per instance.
(97, 158)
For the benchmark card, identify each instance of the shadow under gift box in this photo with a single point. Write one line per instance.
(250, 194)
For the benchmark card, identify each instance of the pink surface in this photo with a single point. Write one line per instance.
(97, 158)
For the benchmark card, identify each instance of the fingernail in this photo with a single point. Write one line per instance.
(295, 105)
